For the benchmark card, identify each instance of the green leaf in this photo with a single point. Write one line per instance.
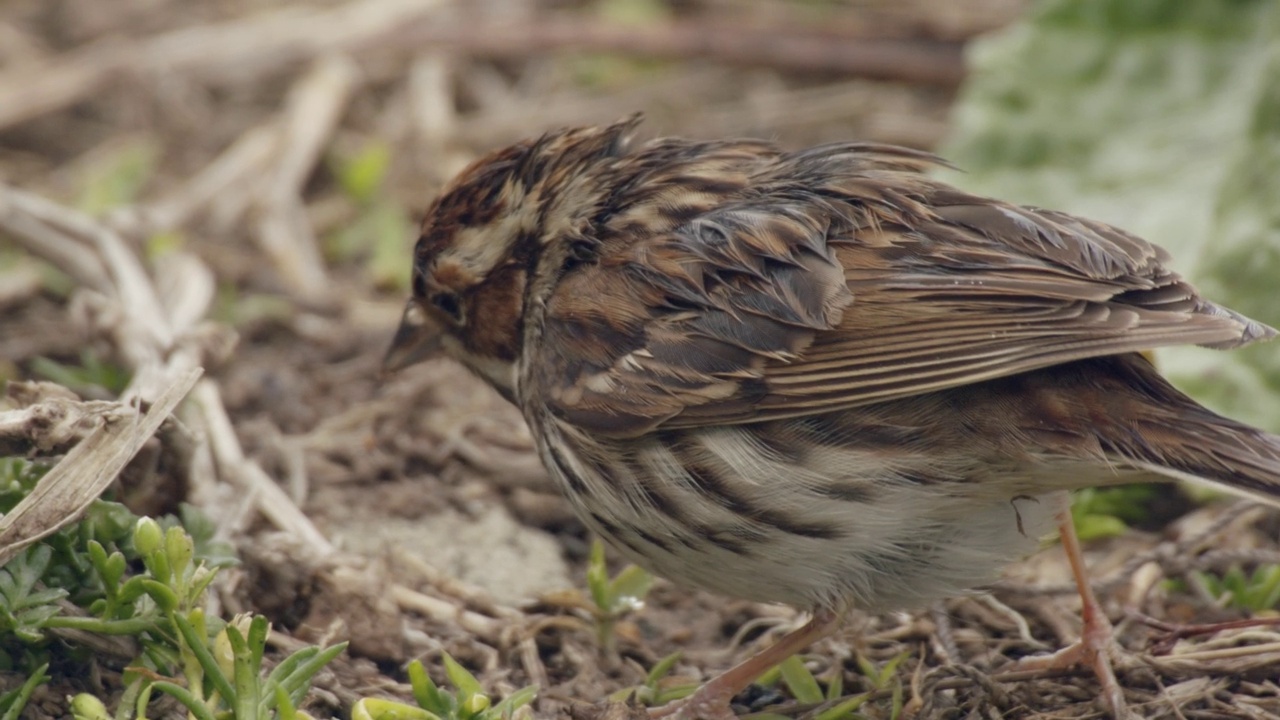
(381, 709)
(844, 709)
(598, 577)
(283, 705)
(91, 377)
(179, 549)
(1161, 117)
(301, 669)
(16, 702)
(246, 698)
(629, 588)
(803, 686)
(891, 667)
(116, 177)
(1096, 527)
(662, 668)
(425, 692)
(362, 175)
(835, 688)
(108, 522)
(465, 682)
(515, 701)
(184, 696)
(87, 707)
(208, 549)
(163, 595)
(1268, 585)
(199, 646)
(27, 573)
(390, 233)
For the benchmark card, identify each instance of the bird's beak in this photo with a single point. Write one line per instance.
(416, 339)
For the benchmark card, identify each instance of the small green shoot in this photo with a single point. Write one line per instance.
(468, 702)
(239, 309)
(611, 70)
(91, 378)
(381, 231)
(1107, 512)
(805, 688)
(236, 686)
(885, 678)
(1256, 592)
(802, 684)
(13, 702)
(25, 609)
(614, 597)
(117, 176)
(658, 689)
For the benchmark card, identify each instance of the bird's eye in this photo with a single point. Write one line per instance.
(449, 304)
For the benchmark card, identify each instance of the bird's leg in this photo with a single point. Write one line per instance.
(1096, 636)
(711, 701)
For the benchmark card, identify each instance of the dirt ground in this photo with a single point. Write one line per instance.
(221, 127)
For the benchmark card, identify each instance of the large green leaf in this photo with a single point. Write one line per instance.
(1159, 116)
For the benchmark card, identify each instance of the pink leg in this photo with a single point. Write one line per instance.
(1096, 642)
(711, 701)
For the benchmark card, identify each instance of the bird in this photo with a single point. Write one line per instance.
(817, 377)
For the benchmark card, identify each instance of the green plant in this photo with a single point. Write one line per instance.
(13, 702)
(885, 678)
(657, 688)
(93, 377)
(232, 667)
(381, 229)
(1256, 592)
(117, 177)
(613, 597)
(25, 608)
(1108, 512)
(468, 702)
(115, 574)
(805, 688)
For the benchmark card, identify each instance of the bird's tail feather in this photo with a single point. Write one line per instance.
(1170, 434)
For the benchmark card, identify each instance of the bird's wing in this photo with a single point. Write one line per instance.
(846, 292)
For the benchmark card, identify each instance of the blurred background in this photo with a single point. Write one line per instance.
(270, 160)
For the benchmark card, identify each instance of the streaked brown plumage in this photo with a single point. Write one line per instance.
(820, 377)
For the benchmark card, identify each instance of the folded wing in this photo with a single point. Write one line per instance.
(851, 279)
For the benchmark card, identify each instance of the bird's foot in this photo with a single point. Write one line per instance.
(1095, 650)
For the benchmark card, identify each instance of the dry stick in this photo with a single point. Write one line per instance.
(273, 501)
(44, 241)
(49, 424)
(248, 48)
(64, 493)
(235, 51)
(495, 122)
(486, 628)
(315, 105)
(19, 284)
(231, 172)
(430, 87)
(921, 62)
(142, 333)
(163, 373)
(146, 338)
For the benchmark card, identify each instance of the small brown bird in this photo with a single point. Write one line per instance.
(818, 378)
